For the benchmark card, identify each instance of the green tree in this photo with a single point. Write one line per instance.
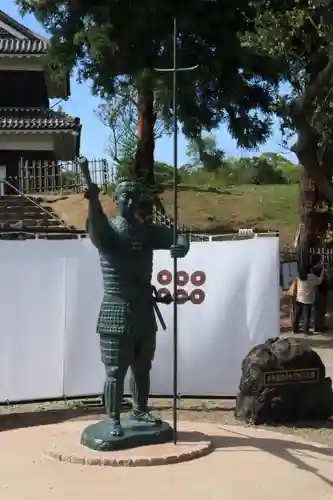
(120, 114)
(291, 172)
(203, 152)
(268, 168)
(121, 43)
(253, 170)
(163, 172)
(299, 37)
(265, 172)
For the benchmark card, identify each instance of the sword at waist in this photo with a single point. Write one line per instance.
(156, 308)
(159, 315)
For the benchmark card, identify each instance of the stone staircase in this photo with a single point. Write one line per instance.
(22, 214)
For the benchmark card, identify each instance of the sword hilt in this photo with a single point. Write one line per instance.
(168, 298)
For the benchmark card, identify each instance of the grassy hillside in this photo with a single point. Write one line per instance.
(269, 207)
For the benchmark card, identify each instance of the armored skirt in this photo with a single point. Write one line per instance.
(127, 330)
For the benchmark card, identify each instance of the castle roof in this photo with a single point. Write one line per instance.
(41, 119)
(19, 43)
(18, 39)
(16, 46)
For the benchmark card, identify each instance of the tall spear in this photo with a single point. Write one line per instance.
(175, 70)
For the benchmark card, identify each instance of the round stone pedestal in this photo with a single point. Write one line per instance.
(98, 437)
(64, 445)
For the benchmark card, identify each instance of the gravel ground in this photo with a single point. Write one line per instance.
(214, 411)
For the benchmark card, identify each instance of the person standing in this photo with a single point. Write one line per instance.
(305, 297)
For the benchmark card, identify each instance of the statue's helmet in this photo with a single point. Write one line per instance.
(139, 191)
(124, 186)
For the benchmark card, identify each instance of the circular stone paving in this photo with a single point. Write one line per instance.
(64, 445)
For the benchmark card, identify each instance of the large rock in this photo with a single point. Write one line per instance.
(283, 380)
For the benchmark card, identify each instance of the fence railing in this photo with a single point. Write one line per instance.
(59, 177)
(325, 253)
(241, 234)
(160, 218)
(50, 178)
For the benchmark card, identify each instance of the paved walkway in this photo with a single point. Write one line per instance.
(247, 464)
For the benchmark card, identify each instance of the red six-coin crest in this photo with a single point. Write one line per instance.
(197, 279)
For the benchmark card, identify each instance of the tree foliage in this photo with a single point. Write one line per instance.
(267, 168)
(260, 170)
(203, 151)
(163, 172)
(299, 34)
(244, 49)
(121, 115)
(120, 43)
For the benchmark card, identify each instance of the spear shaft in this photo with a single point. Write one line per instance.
(174, 72)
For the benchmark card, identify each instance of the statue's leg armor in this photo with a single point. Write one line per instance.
(113, 391)
(116, 356)
(140, 377)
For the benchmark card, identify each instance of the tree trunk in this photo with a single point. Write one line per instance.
(144, 164)
(146, 123)
(307, 146)
(316, 185)
(308, 209)
(306, 151)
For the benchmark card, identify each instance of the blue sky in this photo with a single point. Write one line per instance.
(95, 134)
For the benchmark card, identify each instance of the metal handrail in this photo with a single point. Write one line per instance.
(52, 216)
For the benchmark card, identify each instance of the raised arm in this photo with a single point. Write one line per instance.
(98, 227)
(161, 238)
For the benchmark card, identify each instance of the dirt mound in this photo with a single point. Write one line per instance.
(73, 208)
(262, 208)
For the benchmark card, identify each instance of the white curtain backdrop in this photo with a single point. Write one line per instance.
(32, 312)
(50, 294)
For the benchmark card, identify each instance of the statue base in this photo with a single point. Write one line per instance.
(97, 436)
